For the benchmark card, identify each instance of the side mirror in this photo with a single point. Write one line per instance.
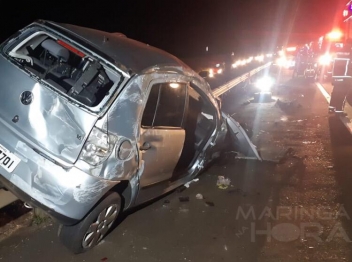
(204, 74)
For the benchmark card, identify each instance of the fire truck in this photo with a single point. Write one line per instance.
(342, 67)
(347, 16)
(305, 64)
(325, 51)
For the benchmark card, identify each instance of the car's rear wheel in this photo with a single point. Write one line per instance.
(91, 230)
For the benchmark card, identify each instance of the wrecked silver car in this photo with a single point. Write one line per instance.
(93, 123)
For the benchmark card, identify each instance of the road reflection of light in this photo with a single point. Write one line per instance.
(256, 131)
(35, 116)
(284, 118)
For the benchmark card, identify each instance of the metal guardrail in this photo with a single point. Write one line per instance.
(226, 87)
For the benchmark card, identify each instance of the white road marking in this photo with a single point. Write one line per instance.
(345, 120)
(324, 92)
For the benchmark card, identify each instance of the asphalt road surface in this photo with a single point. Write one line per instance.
(296, 205)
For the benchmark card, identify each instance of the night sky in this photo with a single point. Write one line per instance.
(185, 27)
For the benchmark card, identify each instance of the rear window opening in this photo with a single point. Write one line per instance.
(64, 67)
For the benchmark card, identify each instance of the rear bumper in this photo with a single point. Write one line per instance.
(68, 194)
(28, 199)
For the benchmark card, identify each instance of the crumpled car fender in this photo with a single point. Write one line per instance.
(240, 139)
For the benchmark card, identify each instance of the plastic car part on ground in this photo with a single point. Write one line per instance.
(199, 196)
(192, 181)
(223, 183)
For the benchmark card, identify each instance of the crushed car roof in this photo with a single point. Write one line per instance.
(134, 55)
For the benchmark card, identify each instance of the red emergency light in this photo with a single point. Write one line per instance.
(335, 35)
(291, 49)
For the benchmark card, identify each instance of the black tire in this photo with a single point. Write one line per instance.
(73, 236)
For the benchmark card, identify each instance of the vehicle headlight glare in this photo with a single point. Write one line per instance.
(325, 59)
(265, 84)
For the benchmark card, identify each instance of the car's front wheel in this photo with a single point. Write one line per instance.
(91, 230)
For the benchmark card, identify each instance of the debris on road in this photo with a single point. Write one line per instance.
(288, 106)
(184, 210)
(199, 196)
(299, 121)
(181, 189)
(246, 103)
(309, 142)
(289, 153)
(192, 181)
(209, 203)
(223, 183)
(184, 199)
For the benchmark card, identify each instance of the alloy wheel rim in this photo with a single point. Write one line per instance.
(98, 229)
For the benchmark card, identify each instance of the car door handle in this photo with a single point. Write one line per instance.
(145, 146)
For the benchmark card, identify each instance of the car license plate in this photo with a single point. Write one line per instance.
(8, 160)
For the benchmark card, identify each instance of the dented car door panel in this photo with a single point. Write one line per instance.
(46, 120)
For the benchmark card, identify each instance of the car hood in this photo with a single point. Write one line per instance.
(40, 116)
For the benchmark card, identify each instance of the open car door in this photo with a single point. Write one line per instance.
(162, 137)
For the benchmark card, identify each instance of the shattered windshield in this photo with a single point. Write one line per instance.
(64, 67)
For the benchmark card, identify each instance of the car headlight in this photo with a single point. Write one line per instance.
(281, 61)
(265, 84)
(98, 147)
(325, 59)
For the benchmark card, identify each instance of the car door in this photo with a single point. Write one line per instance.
(162, 133)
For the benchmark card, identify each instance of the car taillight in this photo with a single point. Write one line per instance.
(98, 147)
